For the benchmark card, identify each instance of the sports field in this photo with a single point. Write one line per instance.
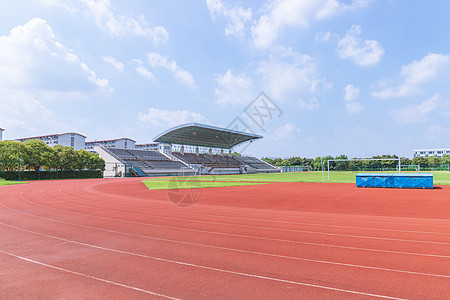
(7, 182)
(116, 239)
(440, 178)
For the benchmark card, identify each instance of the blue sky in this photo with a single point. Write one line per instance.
(354, 77)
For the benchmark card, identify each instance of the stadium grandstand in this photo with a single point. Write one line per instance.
(185, 150)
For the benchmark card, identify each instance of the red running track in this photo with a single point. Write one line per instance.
(114, 239)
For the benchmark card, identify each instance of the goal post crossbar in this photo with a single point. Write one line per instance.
(362, 159)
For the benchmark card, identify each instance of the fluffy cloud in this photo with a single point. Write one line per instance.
(233, 90)
(288, 76)
(308, 105)
(294, 13)
(237, 16)
(351, 92)
(420, 113)
(168, 118)
(415, 74)
(157, 60)
(350, 96)
(106, 19)
(354, 107)
(34, 66)
(437, 131)
(287, 131)
(361, 52)
(113, 62)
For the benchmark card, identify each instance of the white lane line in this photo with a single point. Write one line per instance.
(211, 269)
(252, 219)
(88, 276)
(244, 236)
(278, 229)
(228, 249)
(281, 215)
(296, 216)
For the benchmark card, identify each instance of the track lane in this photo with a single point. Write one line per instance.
(130, 222)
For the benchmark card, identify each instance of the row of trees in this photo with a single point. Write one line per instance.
(36, 155)
(315, 164)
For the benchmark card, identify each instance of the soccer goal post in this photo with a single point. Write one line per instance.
(364, 159)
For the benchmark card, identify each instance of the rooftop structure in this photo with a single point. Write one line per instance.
(431, 152)
(71, 139)
(200, 135)
(122, 143)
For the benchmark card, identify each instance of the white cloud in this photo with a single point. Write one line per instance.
(106, 19)
(141, 70)
(437, 131)
(295, 13)
(351, 92)
(21, 109)
(415, 74)
(237, 16)
(168, 118)
(157, 60)
(286, 132)
(112, 61)
(362, 52)
(144, 72)
(290, 76)
(420, 113)
(308, 105)
(325, 37)
(354, 107)
(233, 90)
(35, 67)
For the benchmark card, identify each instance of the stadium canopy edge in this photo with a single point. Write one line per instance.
(194, 134)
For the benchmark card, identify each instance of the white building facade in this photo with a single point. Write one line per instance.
(1, 134)
(122, 143)
(150, 146)
(430, 152)
(71, 139)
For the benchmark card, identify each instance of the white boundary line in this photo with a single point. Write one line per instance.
(231, 249)
(271, 228)
(88, 276)
(243, 236)
(262, 220)
(200, 267)
(205, 208)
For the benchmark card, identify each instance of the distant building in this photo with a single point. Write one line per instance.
(1, 134)
(430, 152)
(122, 143)
(150, 146)
(71, 139)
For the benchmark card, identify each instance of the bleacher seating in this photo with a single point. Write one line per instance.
(147, 160)
(213, 161)
(256, 163)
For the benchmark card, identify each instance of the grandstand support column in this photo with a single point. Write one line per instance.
(196, 150)
(221, 152)
(182, 150)
(210, 151)
(229, 152)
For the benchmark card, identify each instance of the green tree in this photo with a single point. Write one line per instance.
(35, 154)
(10, 155)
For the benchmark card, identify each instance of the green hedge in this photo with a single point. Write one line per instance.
(41, 175)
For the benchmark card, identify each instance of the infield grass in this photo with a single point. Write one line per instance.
(7, 182)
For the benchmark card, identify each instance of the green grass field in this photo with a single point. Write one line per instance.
(157, 183)
(7, 182)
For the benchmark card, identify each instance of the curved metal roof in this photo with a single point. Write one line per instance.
(194, 134)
